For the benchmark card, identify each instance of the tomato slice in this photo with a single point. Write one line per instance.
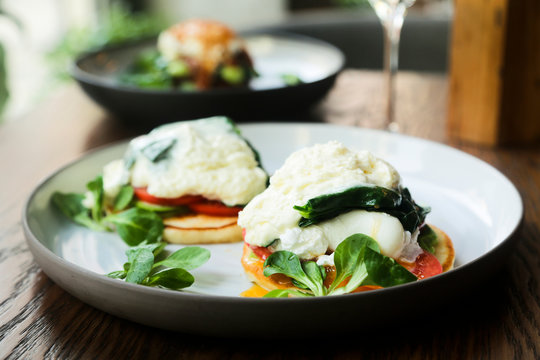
(260, 251)
(426, 265)
(143, 195)
(214, 208)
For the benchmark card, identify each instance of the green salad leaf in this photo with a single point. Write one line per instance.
(124, 197)
(140, 262)
(96, 188)
(136, 225)
(357, 259)
(427, 239)
(71, 205)
(171, 272)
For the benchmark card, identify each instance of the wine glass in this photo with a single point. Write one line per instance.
(391, 13)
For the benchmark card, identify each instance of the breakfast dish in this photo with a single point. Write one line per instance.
(327, 202)
(185, 182)
(75, 257)
(196, 54)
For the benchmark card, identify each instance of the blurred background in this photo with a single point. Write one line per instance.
(39, 38)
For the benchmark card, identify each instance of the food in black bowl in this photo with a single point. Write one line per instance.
(196, 54)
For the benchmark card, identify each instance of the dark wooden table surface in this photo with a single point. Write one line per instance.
(500, 320)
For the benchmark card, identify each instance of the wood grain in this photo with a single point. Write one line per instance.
(495, 72)
(39, 320)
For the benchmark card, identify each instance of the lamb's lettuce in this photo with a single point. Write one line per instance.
(358, 262)
(134, 225)
(427, 239)
(171, 273)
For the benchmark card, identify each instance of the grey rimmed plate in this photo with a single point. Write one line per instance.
(471, 201)
(315, 62)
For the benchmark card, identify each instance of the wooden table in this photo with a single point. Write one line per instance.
(40, 320)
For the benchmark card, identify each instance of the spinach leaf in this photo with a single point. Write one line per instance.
(71, 205)
(408, 212)
(328, 206)
(123, 198)
(158, 150)
(187, 258)
(288, 263)
(136, 225)
(174, 278)
(96, 188)
(427, 239)
(370, 198)
(140, 260)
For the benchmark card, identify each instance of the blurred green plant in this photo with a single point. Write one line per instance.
(117, 25)
(4, 90)
(352, 3)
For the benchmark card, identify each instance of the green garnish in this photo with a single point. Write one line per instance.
(171, 273)
(427, 239)
(291, 79)
(357, 258)
(232, 74)
(134, 225)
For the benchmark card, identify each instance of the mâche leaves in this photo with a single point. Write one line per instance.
(141, 260)
(71, 205)
(358, 262)
(288, 263)
(137, 225)
(187, 258)
(124, 197)
(96, 188)
(174, 278)
(142, 268)
(427, 239)
(385, 271)
(349, 255)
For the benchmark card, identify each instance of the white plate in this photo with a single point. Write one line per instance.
(472, 202)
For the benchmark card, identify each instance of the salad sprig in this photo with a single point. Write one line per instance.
(171, 272)
(358, 262)
(133, 224)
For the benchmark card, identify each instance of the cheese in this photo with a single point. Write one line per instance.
(203, 157)
(311, 172)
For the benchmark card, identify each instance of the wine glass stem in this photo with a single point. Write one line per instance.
(392, 30)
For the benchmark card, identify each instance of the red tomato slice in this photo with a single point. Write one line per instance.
(214, 208)
(426, 265)
(143, 195)
(260, 251)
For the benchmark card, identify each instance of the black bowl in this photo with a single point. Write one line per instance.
(317, 63)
